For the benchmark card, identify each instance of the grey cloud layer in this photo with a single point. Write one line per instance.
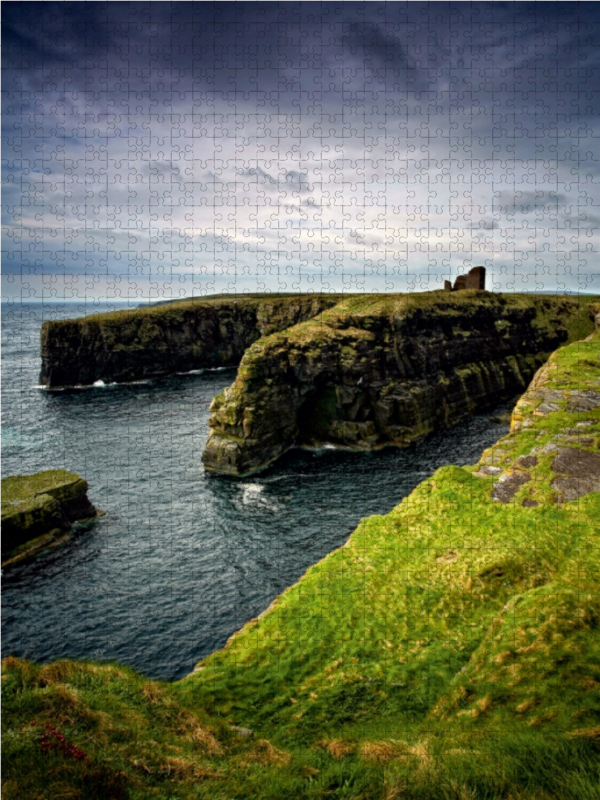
(389, 141)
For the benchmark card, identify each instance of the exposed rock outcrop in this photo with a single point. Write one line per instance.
(164, 339)
(560, 415)
(38, 510)
(377, 370)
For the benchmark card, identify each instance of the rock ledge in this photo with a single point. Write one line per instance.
(39, 510)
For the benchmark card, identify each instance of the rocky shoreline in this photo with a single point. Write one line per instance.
(484, 579)
(448, 645)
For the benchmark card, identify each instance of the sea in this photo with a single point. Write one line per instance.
(182, 558)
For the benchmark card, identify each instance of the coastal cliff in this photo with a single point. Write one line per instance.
(448, 650)
(470, 610)
(377, 370)
(159, 340)
(38, 510)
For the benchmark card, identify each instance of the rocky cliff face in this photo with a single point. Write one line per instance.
(39, 509)
(473, 605)
(161, 340)
(383, 370)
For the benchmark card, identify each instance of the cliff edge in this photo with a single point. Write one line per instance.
(375, 370)
(449, 650)
(179, 336)
(470, 610)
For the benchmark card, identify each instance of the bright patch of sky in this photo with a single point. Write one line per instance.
(176, 149)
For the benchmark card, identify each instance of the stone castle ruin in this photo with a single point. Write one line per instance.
(474, 279)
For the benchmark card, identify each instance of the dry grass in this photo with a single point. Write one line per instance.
(200, 736)
(593, 734)
(206, 741)
(181, 769)
(56, 672)
(448, 557)
(151, 693)
(64, 671)
(338, 748)
(527, 705)
(263, 752)
(382, 751)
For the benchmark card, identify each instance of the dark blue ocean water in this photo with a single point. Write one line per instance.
(181, 559)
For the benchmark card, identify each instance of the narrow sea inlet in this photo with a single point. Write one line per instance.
(182, 558)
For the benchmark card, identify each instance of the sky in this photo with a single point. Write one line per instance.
(161, 150)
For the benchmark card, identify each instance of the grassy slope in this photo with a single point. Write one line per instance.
(452, 613)
(450, 650)
(348, 304)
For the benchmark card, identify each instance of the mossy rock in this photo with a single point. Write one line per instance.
(34, 506)
(375, 370)
(58, 483)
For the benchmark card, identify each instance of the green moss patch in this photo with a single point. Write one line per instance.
(58, 483)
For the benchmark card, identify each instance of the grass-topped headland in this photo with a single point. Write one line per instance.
(162, 339)
(204, 332)
(374, 370)
(463, 615)
(449, 650)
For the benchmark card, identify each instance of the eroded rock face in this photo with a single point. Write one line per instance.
(377, 371)
(45, 504)
(162, 340)
(563, 462)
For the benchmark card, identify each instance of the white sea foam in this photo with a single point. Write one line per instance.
(203, 370)
(101, 385)
(251, 493)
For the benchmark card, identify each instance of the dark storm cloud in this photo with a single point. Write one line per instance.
(150, 133)
(310, 48)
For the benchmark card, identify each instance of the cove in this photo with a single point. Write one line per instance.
(182, 558)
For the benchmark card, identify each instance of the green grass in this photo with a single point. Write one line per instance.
(175, 310)
(453, 610)
(105, 732)
(352, 304)
(58, 483)
(449, 651)
(359, 311)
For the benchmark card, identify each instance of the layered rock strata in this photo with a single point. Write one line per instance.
(378, 370)
(160, 340)
(39, 509)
